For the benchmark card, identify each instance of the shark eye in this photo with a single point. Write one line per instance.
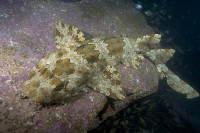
(59, 87)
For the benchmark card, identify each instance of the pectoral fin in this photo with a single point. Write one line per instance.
(68, 36)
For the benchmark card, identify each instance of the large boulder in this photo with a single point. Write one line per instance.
(27, 34)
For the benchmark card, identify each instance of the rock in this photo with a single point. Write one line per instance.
(27, 35)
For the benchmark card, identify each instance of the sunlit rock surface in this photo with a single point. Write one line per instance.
(27, 34)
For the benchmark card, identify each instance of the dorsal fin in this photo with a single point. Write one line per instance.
(160, 56)
(68, 36)
(151, 41)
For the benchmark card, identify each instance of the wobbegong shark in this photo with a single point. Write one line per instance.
(77, 63)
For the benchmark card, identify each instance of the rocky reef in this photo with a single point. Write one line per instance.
(27, 34)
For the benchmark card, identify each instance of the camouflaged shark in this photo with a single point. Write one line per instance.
(77, 63)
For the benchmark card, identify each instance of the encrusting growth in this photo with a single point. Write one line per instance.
(77, 63)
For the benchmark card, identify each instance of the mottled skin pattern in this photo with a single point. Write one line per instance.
(78, 63)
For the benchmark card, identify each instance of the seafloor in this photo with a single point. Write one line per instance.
(27, 34)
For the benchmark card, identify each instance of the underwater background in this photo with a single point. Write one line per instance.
(178, 21)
